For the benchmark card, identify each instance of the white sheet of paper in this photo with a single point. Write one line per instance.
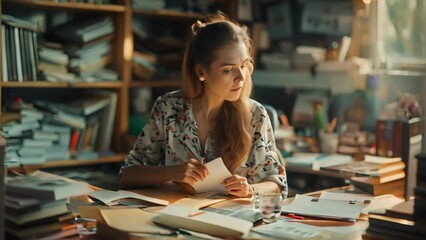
(326, 208)
(108, 196)
(213, 182)
(378, 204)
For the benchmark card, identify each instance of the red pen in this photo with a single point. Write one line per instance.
(294, 216)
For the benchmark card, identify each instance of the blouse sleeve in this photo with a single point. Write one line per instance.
(149, 146)
(265, 161)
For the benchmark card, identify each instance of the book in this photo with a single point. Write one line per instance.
(366, 168)
(44, 188)
(32, 230)
(317, 160)
(382, 178)
(404, 210)
(381, 160)
(110, 198)
(186, 217)
(46, 212)
(396, 227)
(345, 210)
(396, 187)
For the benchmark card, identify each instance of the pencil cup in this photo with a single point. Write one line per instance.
(329, 142)
(270, 206)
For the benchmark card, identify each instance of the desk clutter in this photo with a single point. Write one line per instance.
(406, 220)
(44, 211)
(36, 206)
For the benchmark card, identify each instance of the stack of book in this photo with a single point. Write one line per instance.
(50, 130)
(405, 220)
(376, 175)
(36, 206)
(87, 46)
(397, 222)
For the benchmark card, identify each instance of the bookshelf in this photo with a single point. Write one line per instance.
(122, 14)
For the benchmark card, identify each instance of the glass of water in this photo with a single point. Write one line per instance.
(270, 206)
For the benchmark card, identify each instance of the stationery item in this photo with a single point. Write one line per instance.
(329, 142)
(325, 208)
(186, 217)
(213, 181)
(110, 198)
(294, 216)
(132, 220)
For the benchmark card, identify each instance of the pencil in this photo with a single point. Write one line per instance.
(332, 125)
(195, 214)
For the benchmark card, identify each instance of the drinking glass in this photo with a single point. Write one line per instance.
(270, 206)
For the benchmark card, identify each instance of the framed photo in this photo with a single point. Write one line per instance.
(279, 21)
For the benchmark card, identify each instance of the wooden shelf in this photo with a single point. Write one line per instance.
(159, 83)
(43, 84)
(69, 5)
(336, 82)
(73, 163)
(168, 14)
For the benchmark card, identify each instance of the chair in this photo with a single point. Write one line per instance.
(273, 115)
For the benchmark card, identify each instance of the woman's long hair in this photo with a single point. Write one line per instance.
(231, 124)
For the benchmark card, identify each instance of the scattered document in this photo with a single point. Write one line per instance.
(291, 230)
(345, 210)
(132, 220)
(214, 180)
(110, 198)
(198, 202)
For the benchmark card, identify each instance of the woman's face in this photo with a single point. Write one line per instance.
(225, 76)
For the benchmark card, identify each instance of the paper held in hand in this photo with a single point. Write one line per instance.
(213, 182)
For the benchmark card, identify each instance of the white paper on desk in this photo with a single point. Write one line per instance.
(291, 230)
(132, 220)
(378, 204)
(326, 208)
(214, 180)
(109, 197)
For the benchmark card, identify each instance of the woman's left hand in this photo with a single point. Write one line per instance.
(237, 186)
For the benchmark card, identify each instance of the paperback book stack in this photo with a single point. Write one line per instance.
(405, 220)
(376, 175)
(36, 206)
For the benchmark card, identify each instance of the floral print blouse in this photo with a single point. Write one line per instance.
(170, 137)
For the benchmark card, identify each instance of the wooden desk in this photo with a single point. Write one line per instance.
(170, 192)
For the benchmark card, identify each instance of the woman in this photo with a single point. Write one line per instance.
(212, 116)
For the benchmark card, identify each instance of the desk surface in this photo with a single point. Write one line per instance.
(171, 193)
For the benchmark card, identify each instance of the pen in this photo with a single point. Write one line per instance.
(195, 214)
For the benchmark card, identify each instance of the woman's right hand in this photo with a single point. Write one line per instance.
(190, 172)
